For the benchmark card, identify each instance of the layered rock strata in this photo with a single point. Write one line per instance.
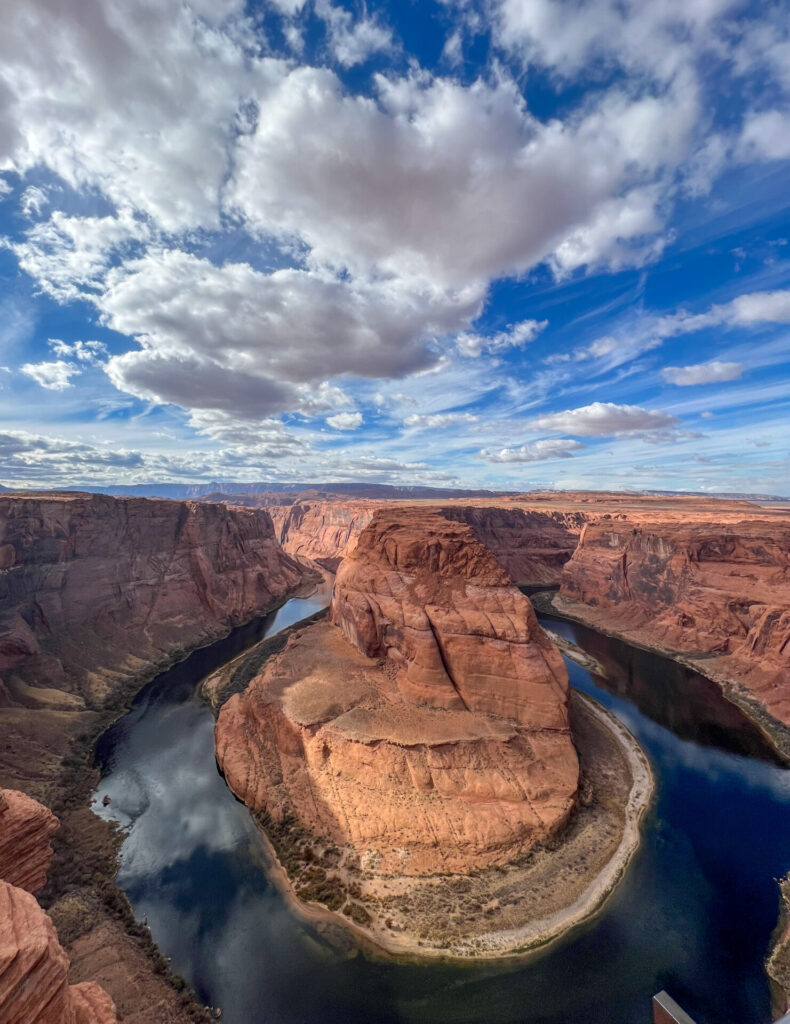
(717, 593)
(26, 828)
(426, 728)
(531, 545)
(97, 592)
(323, 531)
(34, 967)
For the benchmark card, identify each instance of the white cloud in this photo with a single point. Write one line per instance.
(233, 337)
(84, 351)
(6, 188)
(515, 336)
(53, 376)
(69, 256)
(345, 420)
(761, 307)
(139, 100)
(288, 7)
(33, 201)
(702, 373)
(439, 420)
(537, 451)
(766, 136)
(422, 181)
(353, 41)
(659, 38)
(603, 419)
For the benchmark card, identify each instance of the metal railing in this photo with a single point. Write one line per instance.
(667, 1011)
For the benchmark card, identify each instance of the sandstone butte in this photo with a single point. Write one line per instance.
(531, 545)
(34, 967)
(717, 593)
(96, 593)
(703, 579)
(426, 727)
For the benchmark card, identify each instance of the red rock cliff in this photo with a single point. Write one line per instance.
(717, 590)
(532, 545)
(34, 986)
(95, 591)
(26, 827)
(324, 531)
(427, 726)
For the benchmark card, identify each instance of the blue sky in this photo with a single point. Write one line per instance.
(503, 243)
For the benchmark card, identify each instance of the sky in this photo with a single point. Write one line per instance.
(476, 243)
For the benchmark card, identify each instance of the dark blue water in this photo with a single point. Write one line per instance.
(694, 914)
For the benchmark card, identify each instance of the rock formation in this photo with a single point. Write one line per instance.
(34, 967)
(532, 546)
(323, 531)
(426, 728)
(26, 827)
(716, 592)
(97, 592)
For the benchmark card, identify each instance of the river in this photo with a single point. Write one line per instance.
(694, 914)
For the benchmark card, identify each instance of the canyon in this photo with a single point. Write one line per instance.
(97, 595)
(418, 749)
(706, 581)
(423, 732)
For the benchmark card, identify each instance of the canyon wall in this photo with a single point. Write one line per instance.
(34, 967)
(425, 728)
(96, 592)
(532, 545)
(324, 531)
(717, 592)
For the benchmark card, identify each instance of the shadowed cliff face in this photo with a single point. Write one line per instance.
(96, 592)
(713, 591)
(34, 967)
(532, 546)
(324, 531)
(427, 726)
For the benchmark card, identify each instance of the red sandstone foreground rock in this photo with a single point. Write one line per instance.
(26, 827)
(34, 967)
(427, 727)
(96, 592)
(716, 592)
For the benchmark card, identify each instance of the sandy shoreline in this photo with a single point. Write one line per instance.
(501, 943)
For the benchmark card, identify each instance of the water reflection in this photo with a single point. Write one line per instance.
(690, 705)
(694, 914)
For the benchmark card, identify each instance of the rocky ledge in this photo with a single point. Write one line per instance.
(714, 594)
(98, 592)
(34, 967)
(421, 736)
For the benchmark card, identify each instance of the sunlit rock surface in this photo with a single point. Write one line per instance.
(426, 726)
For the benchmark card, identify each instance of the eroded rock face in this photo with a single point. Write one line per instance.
(97, 591)
(719, 591)
(34, 968)
(532, 546)
(324, 531)
(426, 727)
(26, 828)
